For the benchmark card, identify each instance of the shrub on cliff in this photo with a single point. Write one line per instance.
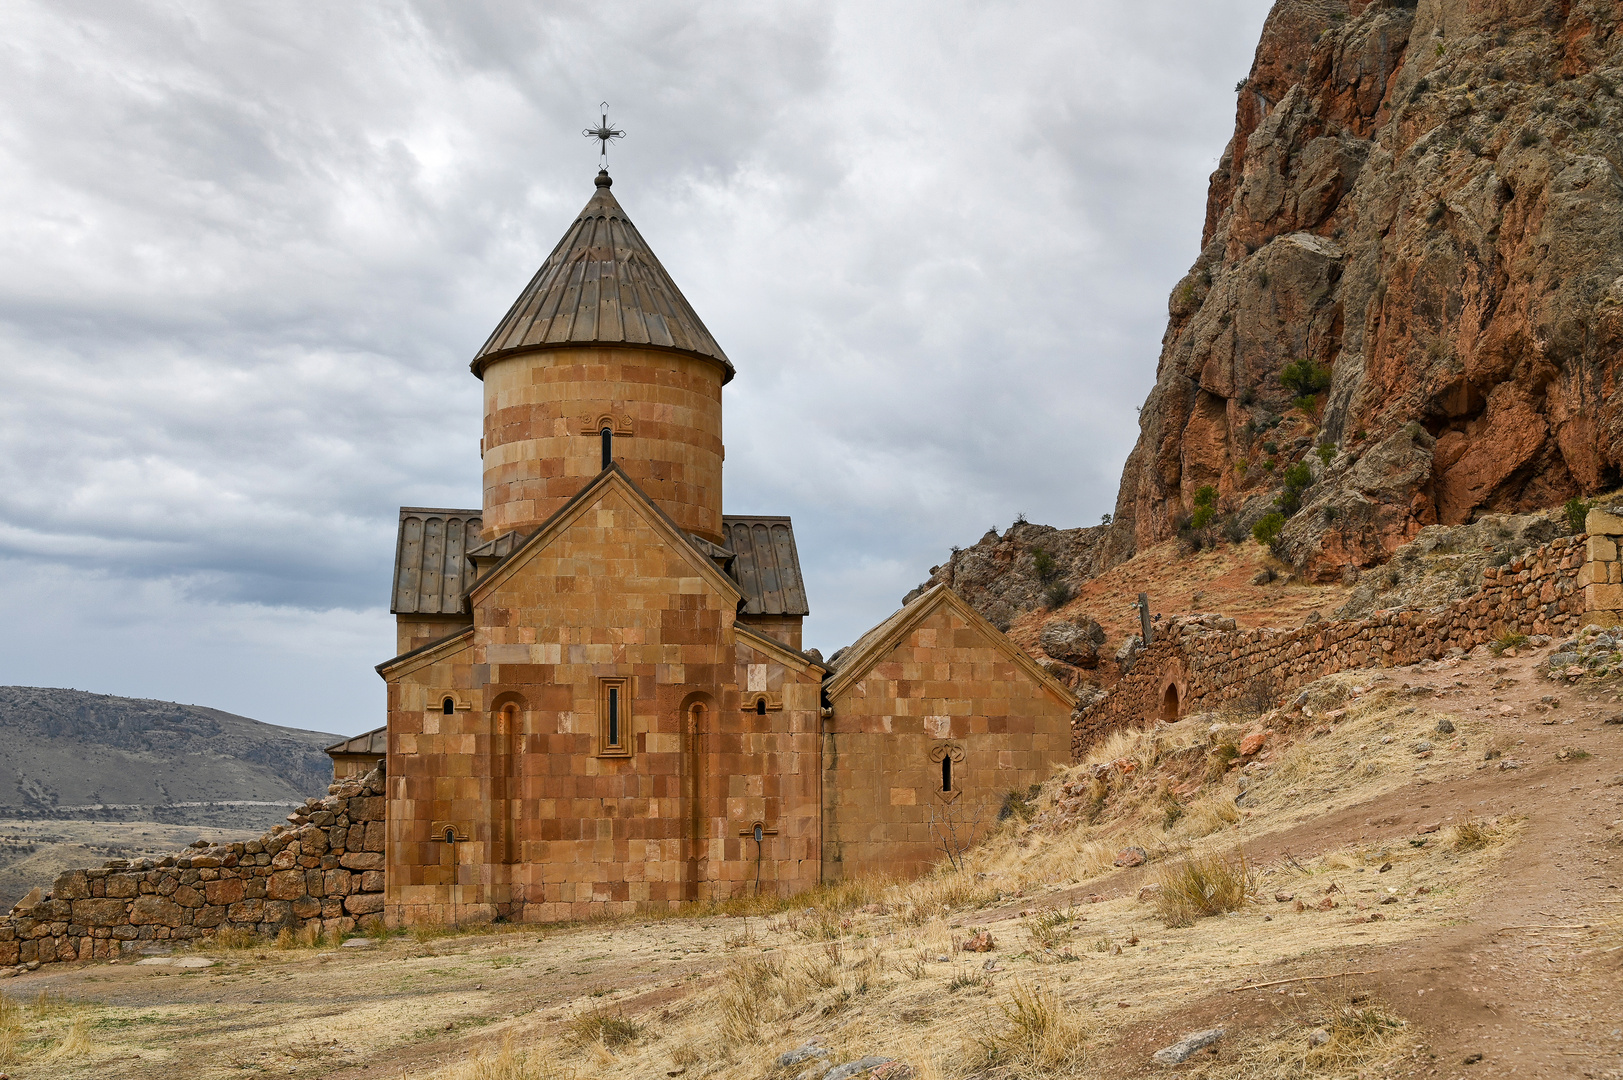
(1266, 530)
(1304, 378)
(1205, 507)
(1577, 511)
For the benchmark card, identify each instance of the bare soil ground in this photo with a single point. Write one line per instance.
(1462, 909)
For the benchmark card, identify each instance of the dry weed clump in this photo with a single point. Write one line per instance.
(1472, 834)
(1337, 1033)
(606, 1026)
(1039, 1036)
(1202, 885)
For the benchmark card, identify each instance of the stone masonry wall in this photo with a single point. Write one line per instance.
(324, 867)
(1602, 577)
(1206, 660)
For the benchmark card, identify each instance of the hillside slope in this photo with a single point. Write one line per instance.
(65, 750)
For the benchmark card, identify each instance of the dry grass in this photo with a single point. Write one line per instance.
(1334, 1033)
(1038, 1036)
(308, 936)
(1202, 885)
(49, 1028)
(232, 937)
(606, 1026)
(510, 1063)
(1472, 834)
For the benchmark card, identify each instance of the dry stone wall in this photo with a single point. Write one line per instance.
(1200, 662)
(325, 867)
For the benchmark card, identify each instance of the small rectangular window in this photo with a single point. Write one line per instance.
(614, 717)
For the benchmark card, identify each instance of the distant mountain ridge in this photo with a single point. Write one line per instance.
(66, 750)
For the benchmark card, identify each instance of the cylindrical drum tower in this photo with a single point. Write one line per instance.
(601, 340)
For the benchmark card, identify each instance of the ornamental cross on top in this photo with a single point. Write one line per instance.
(603, 133)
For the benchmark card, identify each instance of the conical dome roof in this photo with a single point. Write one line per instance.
(602, 285)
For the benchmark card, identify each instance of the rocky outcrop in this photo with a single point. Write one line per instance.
(1424, 201)
(1004, 575)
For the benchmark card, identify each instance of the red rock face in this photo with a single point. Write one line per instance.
(1427, 201)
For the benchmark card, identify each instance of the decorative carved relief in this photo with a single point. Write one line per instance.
(448, 832)
(751, 702)
(620, 425)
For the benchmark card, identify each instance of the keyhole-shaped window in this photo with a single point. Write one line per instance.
(450, 834)
(448, 706)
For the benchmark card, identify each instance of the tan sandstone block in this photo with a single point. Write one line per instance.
(1603, 597)
(1601, 521)
(1601, 548)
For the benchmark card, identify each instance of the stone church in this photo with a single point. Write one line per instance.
(601, 703)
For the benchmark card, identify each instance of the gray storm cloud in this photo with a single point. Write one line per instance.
(249, 249)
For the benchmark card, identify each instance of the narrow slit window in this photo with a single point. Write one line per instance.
(448, 706)
(946, 774)
(760, 706)
(614, 720)
(607, 435)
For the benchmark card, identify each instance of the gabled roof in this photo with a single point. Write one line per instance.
(612, 477)
(375, 741)
(431, 567)
(432, 653)
(602, 285)
(860, 658)
(766, 565)
(790, 657)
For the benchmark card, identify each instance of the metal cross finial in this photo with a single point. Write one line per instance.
(603, 133)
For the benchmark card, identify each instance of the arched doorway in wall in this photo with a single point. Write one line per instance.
(1169, 704)
(1173, 696)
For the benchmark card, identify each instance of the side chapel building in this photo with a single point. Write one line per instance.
(601, 703)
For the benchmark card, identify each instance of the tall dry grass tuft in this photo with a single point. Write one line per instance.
(232, 937)
(606, 1026)
(12, 1032)
(74, 1043)
(1202, 885)
(1472, 834)
(1039, 1036)
(747, 998)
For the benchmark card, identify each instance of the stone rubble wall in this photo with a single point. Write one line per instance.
(325, 867)
(1210, 661)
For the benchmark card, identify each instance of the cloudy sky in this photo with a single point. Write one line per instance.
(248, 249)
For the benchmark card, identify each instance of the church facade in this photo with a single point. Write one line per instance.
(601, 702)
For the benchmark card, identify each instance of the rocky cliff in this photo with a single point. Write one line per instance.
(1408, 307)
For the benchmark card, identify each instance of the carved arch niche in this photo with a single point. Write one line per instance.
(507, 715)
(697, 717)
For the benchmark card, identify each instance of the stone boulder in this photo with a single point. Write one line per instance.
(1073, 641)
